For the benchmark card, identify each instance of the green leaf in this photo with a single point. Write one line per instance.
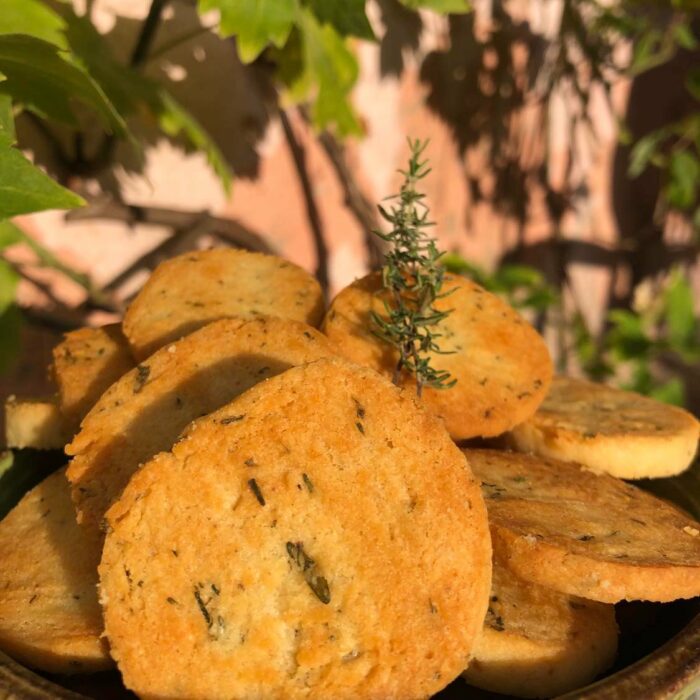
(643, 151)
(175, 121)
(7, 120)
(684, 36)
(25, 189)
(645, 50)
(8, 285)
(627, 338)
(255, 23)
(33, 18)
(442, 6)
(42, 80)
(10, 325)
(331, 69)
(679, 312)
(684, 178)
(9, 235)
(347, 17)
(673, 392)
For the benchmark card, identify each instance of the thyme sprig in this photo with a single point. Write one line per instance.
(413, 277)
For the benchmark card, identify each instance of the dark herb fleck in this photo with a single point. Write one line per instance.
(307, 566)
(142, 373)
(585, 538)
(175, 553)
(360, 427)
(172, 601)
(33, 598)
(256, 491)
(231, 419)
(202, 607)
(250, 462)
(308, 483)
(359, 409)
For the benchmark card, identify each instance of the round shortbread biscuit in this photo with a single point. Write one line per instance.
(586, 534)
(85, 364)
(537, 643)
(500, 362)
(49, 615)
(145, 411)
(609, 430)
(193, 289)
(320, 536)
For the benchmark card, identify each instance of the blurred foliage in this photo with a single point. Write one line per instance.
(635, 345)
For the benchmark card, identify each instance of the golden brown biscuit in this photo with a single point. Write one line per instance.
(49, 615)
(193, 289)
(617, 432)
(85, 364)
(319, 536)
(537, 643)
(501, 363)
(35, 423)
(145, 411)
(585, 534)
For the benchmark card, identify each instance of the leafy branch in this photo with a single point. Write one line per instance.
(413, 277)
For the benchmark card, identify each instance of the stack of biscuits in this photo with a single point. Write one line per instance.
(252, 509)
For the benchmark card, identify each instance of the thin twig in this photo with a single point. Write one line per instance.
(299, 156)
(147, 33)
(359, 205)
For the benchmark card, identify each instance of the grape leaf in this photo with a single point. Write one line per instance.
(33, 18)
(347, 17)
(24, 188)
(442, 6)
(9, 235)
(8, 283)
(684, 175)
(7, 122)
(41, 79)
(330, 68)
(256, 23)
(679, 313)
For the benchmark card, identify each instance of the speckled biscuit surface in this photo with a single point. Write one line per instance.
(49, 615)
(320, 536)
(537, 643)
(501, 363)
(617, 432)
(35, 423)
(85, 364)
(145, 411)
(591, 535)
(190, 290)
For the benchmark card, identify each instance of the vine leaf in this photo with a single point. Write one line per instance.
(442, 6)
(330, 71)
(42, 80)
(24, 188)
(33, 18)
(347, 17)
(256, 23)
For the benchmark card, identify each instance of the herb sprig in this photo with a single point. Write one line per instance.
(413, 277)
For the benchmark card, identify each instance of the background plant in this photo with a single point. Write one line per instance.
(58, 72)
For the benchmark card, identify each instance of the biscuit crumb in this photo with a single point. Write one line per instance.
(692, 531)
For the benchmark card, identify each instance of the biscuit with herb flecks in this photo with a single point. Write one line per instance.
(319, 536)
(85, 364)
(145, 411)
(591, 535)
(609, 430)
(537, 643)
(49, 615)
(500, 362)
(193, 289)
(35, 423)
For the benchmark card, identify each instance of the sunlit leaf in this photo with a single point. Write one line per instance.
(672, 391)
(34, 18)
(25, 189)
(681, 323)
(442, 6)
(9, 234)
(684, 178)
(643, 151)
(348, 17)
(8, 284)
(331, 68)
(7, 121)
(255, 23)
